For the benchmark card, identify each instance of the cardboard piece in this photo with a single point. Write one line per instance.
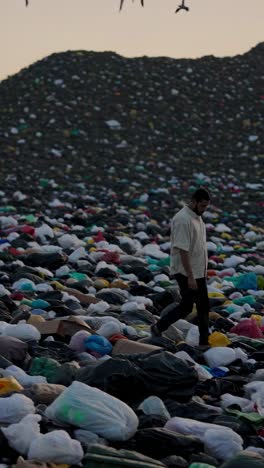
(132, 347)
(63, 327)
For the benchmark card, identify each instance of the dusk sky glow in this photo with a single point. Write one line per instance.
(211, 27)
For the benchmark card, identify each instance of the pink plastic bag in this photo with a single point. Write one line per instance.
(247, 327)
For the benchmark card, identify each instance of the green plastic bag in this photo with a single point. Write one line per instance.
(245, 461)
(46, 367)
(201, 465)
(245, 300)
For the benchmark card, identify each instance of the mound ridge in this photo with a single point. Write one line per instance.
(80, 114)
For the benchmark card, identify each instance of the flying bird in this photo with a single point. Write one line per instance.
(182, 6)
(122, 3)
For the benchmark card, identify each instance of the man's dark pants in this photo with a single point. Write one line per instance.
(188, 298)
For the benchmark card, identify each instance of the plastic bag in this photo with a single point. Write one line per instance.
(218, 339)
(46, 393)
(90, 408)
(77, 254)
(154, 405)
(15, 408)
(109, 457)
(47, 367)
(255, 390)
(109, 329)
(247, 327)
(21, 435)
(44, 231)
(257, 376)
(88, 438)
(202, 373)
(160, 443)
(247, 281)
(222, 443)
(56, 447)
(9, 384)
(21, 376)
(98, 344)
(159, 372)
(240, 354)
(191, 427)
(70, 240)
(219, 356)
(193, 336)
(77, 341)
(244, 460)
(183, 326)
(3, 326)
(201, 465)
(229, 400)
(23, 332)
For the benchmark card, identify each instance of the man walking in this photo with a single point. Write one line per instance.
(189, 265)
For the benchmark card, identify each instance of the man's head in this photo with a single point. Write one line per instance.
(200, 201)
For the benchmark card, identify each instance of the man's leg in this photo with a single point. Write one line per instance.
(202, 304)
(183, 309)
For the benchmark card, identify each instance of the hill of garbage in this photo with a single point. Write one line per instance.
(108, 122)
(97, 153)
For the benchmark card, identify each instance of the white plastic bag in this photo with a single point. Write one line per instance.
(23, 283)
(132, 306)
(88, 438)
(3, 326)
(257, 376)
(77, 254)
(228, 400)
(233, 261)
(191, 427)
(253, 387)
(56, 447)
(15, 408)
(183, 326)
(153, 250)
(109, 329)
(21, 376)
(21, 435)
(99, 307)
(255, 391)
(44, 231)
(203, 374)
(154, 405)
(219, 356)
(90, 408)
(70, 240)
(23, 332)
(77, 342)
(256, 450)
(240, 354)
(222, 443)
(193, 336)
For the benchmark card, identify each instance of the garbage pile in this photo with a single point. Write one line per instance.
(98, 153)
(103, 120)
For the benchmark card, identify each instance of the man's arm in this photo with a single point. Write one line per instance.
(187, 266)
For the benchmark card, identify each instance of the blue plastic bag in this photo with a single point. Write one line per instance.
(98, 344)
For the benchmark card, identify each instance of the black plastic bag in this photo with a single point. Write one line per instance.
(161, 443)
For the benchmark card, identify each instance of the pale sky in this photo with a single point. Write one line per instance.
(212, 27)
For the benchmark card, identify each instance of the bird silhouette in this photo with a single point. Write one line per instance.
(122, 3)
(182, 7)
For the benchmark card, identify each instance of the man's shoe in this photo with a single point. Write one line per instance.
(155, 332)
